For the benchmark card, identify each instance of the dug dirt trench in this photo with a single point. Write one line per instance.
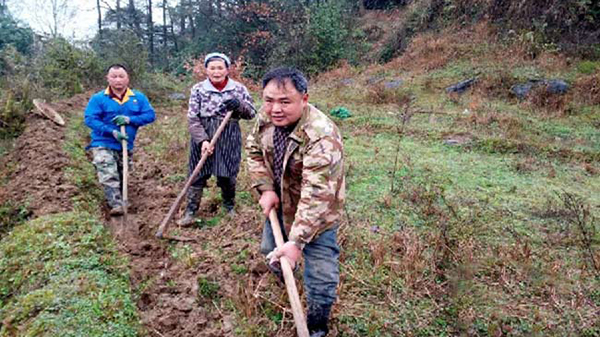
(166, 287)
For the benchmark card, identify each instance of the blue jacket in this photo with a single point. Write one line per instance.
(101, 109)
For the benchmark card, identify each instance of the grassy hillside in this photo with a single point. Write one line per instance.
(467, 214)
(472, 213)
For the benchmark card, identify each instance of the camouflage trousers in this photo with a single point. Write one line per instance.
(109, 168)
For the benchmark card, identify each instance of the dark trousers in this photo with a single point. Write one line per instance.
(227, 185)
(321, 260)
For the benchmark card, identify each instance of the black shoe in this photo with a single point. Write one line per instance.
(114, 200)
(317, 318)
(187, 220)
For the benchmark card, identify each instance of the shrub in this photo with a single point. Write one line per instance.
(18, 89)
(319, 42)
(20, 38)
(588, 67)
(66, 69)
(122, 46)
(12, 115)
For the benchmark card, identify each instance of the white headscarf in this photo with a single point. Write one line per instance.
(217, 55)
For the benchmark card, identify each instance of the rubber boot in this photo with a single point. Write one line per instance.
(317, 318)
(114, 200)
(228, 196)
(194, 195)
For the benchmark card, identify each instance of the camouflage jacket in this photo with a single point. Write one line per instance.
(205, 102)
(312, 183)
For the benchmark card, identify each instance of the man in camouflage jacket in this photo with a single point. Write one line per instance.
(295, 160)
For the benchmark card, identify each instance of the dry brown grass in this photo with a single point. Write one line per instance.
(378, 94)
(527, 164)
(587, 89)
(343, 71)
(408, 259)
(430, 51)
(550, 104)
(494, 85)
(509, 124)
(427, 52)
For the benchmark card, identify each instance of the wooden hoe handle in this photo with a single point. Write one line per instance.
(288, 276)
(125, 169)
(165, 223)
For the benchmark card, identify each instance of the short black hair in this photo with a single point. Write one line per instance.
(284, 73)
(117, 66)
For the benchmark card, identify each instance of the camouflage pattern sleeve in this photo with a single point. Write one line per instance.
(194, 125)
(322, 188)
(247, 110)
(261, 178)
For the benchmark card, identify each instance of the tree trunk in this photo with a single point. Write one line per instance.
(193, 26)
(164, 9)
(190, 14)
(134, 16)
(99, 19)
(361, 7)
(118, 14)
(182, 17)
(173, 31)
(150, 32)
(55, 18)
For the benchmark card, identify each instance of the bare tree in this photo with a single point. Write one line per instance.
(118, 12)
(183, 10)
(53, 15)
(134, 15)
(171, 27)
(99, 19)
(164, 27)
(150, 32)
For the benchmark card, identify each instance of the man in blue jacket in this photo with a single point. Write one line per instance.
(106, 111)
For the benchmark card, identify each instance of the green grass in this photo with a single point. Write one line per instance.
(80, 170)
(60, 275)
(5, 146)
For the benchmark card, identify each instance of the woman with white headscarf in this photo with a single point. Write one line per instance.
(209, 102)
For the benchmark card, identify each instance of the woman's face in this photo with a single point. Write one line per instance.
(217, 71)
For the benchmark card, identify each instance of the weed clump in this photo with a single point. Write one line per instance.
(12, 215)
(379, 94)
(208, 289)
(542, 99)
(587, 89)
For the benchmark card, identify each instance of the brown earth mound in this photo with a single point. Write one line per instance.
(36, 164)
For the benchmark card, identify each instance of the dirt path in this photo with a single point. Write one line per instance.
(170, 300)
(171, 304)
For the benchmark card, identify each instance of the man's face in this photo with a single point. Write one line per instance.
(217, 71)
(283, 103)
(118, 79)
